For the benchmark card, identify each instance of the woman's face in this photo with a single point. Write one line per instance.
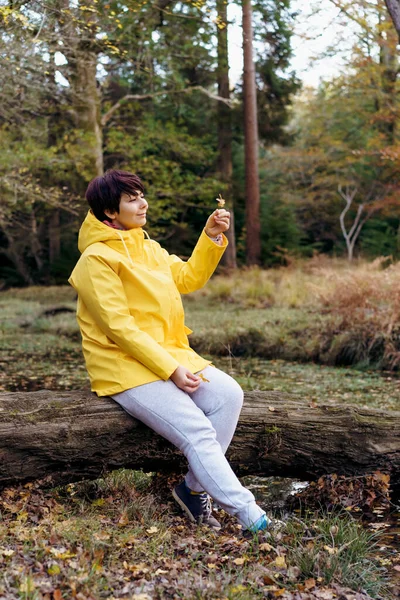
(132, 211)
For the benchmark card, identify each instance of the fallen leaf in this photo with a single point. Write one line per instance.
(265, 547)
(271, 408)
(123, 520)
(62, 553)
(326, 595)
(152, 530)
(238, 588)
(27, 586)
(54, 569)
(101, 536)
(309, 584)
(280, 562)
(239, 561)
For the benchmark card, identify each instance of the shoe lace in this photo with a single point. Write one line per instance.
(205, 501)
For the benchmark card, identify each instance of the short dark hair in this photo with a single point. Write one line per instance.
(104, 192)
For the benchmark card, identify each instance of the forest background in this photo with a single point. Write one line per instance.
(90, 85)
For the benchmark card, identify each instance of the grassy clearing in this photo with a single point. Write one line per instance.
(345, 314)
(114, 539)
(252, 344)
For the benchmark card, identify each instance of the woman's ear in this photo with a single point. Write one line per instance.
(110, 215)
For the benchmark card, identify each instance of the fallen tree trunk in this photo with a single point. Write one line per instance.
(67, 436)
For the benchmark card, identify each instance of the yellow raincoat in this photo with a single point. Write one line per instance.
(129, 308)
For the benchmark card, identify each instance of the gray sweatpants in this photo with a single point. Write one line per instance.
(201, 425)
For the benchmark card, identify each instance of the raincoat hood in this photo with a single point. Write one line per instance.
(93, 230)
(129, 241)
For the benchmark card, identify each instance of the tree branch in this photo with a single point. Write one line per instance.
(106, 117)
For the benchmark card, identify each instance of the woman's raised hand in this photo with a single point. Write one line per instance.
(185, 380)
(218, 222)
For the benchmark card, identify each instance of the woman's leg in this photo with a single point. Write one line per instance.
(221, 400)
(173, 414)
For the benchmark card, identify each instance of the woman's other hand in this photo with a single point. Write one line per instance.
(218, 222)
(185, 380)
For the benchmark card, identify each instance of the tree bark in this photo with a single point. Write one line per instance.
(85, 143)
(67, 436)
(393, 7)
(253, 242)
(225, 127)
(54, 236)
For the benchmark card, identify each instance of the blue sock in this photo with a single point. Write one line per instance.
(261, 524)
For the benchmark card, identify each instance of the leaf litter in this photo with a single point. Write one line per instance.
(61, 543)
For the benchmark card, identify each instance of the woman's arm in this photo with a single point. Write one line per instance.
(193, 274)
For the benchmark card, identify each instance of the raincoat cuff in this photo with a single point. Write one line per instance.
(211, 241)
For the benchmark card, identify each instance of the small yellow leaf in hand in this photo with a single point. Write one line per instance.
(152, 530)
(204, 378)
(221, 201)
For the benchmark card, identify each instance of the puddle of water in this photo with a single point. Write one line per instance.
(272, 493)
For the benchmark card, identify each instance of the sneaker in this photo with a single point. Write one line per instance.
(196, 506)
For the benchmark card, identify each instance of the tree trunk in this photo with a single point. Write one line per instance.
(393, 7)
(253, 242)
(389, 62)
(73, 435)
(54, 236)
(225, 128)
(85, 143)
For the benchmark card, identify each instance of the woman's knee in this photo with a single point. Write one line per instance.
(232, 397)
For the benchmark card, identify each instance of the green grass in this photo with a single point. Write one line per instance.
(335, 548)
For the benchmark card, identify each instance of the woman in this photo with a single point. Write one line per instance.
(136, 348)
